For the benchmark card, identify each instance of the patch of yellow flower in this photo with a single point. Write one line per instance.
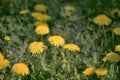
(36, 47)
(68, 10)
(20, 68)
(7, 38)
(101, 71)
(112, 57)
(40, 16)
(102, 20)
(115, 11)
(116, 31)
(40, 7)
(56, 40)
(71, 47)
(89, 71)
(117, 47)
(25, 11)
(3, 62)
(42, 29)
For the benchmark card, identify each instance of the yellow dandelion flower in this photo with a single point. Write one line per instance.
(56, 40)
(118, 13)
(116, 31)
(42, 29)
(67, 13)
(24, 11)
(117, 48)
(89, 71)
(36, 47)
(71, 47)
(114, 11)
(37, 23)
(1, 56)
(40, 7)
(4, 63)
(20, 68)
(113, 57)
(40, 16)
(104, 59)
(101, 71)
(102, 20)
(7, 38)
(69, 8)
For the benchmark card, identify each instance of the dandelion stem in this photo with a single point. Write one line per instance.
(105, 36)
(41, 37)
(54, 62)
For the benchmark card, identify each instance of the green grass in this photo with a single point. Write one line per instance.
(78, 28)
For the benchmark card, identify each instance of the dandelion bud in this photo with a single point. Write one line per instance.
(62, 55)
(75, 69)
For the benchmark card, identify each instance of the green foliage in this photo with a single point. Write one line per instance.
(94, 41)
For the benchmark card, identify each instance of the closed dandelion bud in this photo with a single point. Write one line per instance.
(62, 55)
(75, 69)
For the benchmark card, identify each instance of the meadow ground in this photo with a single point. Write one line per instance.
(59, 40)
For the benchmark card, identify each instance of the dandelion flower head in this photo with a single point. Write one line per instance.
(20, 68)
(1, 56)
(119, 13)
(3, 63)
(40, 7)
(7, 38)
(116, 31)
(69, 8)
(71, 47)
(36, 47)
(40, 16)
(117, 48)
(101, 71)
(114, 11)
(89, 71)
(42, 29)
(102, 20)
(113, 57)
(56, 40)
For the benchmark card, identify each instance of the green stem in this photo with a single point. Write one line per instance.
(77, 76)
(41, 38)
(54, 62)
(19, 78)
(105, 36)
(112, 71)
(113, 38)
